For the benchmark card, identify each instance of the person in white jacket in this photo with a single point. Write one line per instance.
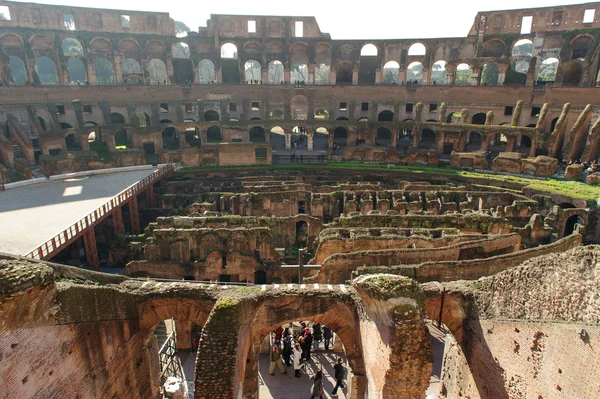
(297, 356)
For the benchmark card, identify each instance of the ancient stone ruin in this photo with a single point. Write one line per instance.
(434, 203)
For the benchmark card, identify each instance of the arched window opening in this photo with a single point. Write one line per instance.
(105, 73)
(76, 71)
(130, 66)
(385, 116)
(340, 137)
(523, 47)
(206, 72)
(525, 144)
(464, 73)
(438, 73)
(252, 71)
(229, 50)
(299, 72)
(180, 50)
(414, 72)
(230, 70)
(46, 71)
(122, 140)
(368, 50)
(117, 119)
(478, 118)
(572, 74)
(211, 116)
(276, 114)
(383, 137)
(474, 141)
(571, 223)
(427, 139)
(548, 70)
(489, 75)
(277, 138)
(417, 49)
(143, 118)
(72, 142)
(390, 73)
(580, 47)
(344, 74)
(322, 74)
(72, 47)
(321, 139)
(170, 140)
(157, 72)
(17, 67)
(275, 74)
(213, 134)
(257, 135)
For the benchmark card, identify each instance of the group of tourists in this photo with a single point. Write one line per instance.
(294, 349)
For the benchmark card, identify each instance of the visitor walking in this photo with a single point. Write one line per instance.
(297, 356)
(276, 360)
(317, 389)
(308, 340)
(278, 334)
(317, 336)
(339, 372)
(287, 347)
(326, 337)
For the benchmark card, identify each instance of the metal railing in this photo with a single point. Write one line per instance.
(67, 236)
(204, 282)
(170, 364)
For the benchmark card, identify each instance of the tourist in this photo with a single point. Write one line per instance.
(317, 389)
(276, 360)
(287, 347)
(317, 336)
(308, 340)
(297, 357)
(339, 372)
(278, 334)
(327, 337)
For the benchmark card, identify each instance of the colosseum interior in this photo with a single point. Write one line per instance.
(167, 202)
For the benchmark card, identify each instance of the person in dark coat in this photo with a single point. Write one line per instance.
(327, 337)
(339, 373)
(308, 340)
(317, 389)
(287, 348)
(317, 336)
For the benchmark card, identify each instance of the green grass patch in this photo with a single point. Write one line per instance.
(549, 185)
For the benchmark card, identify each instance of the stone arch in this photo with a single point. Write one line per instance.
(522, 48)
(525, 143)
(464, 74)
(72, 142)
(321, 139)
(105, 72)
(204, 48)
(206, 72)
(478, 118)
(369, 50)
(570, 223)
(213, 134)
(438, 72)
(129, 48)
(100, 46)
(276, 72)
(277, 138)
(493, 48)
(417, 49)
(340, 136)
(252, 70)
(344, 74)
(391, 70)
(322, 53)
(257, 134)
(414, 72)
(76, 70)
(253, 47)
(12, 43)
(19, 73)
(490, 74)
(385, 116)
(322, 73)
(155, 49)
(157, 71)
(211, 116)
(299, 53)
(230, 70)
(275, 48)
(581, 46)
(72, 47)
(383, 137)
(229, 50)
(299, 72)
(299, 107)
(427, 139)
(474, 141)
(46, 70)
(548, 69)
(116, 118)
(130, 66)
(572, 73)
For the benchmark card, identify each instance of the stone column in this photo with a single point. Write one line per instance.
(219, 74)
(426, 76)
(311, 73)
(118, 69)
(287, 73)
(475, 77)
(288, 141)
(91, 251)
(110, 142)
(184, 334)
(134, 215)
(150, 196)
(264, 75)
(450, 75)
(355, 75)
(117, 216)
(332, 76)
(401, 76)
(310, 140)
(378, 76)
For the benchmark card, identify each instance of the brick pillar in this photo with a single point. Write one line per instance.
(150, 196)
(91, 251)
(117, 216)
(134, 215)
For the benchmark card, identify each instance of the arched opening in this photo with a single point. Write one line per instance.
(417, 49)
(130, 66)
(117, 119)
(46, 70)
(474, 141)
(414, 72)
(206, 72)
(299, 107)
(17, 67)
(192, 137)
(230, 70)
(489, 75)
(478, 118)
(180, 50)
(383, 137)
(363, 119)
(498, 144)
(252, 71)
(553, 124)
(299, 72)
(105, 72)
(76, 70)
(321, 114)
(211, 116)
(277, 138)
(580, 47)
(438, 73)
(344, 74)
(517, 73)
(547, 72)
(427, 139)
(571, 223)
(340, 138)
(72, 47)
(213, 134)
(276, 114)
(525, 144)
(170, 140)
(42, 122)
(464, 74)
(566, 205)
(122, 140)
(342, 118)
(523, 47)
(257, 135)
(572, 74)
(157, 72)
(391, 71)
(301, 234)
(493, 48)
(275, 75)
(72, 142)
(321, 139)
(143, 119)
(322, 74)
(385, 116)
(368, 64)
(260, 277)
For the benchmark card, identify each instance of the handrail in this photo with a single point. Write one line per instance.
(68, 235)
(205, 282)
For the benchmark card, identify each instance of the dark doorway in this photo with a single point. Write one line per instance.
(260, 277)
(570, 224)
(149, 148)
(225, 278)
